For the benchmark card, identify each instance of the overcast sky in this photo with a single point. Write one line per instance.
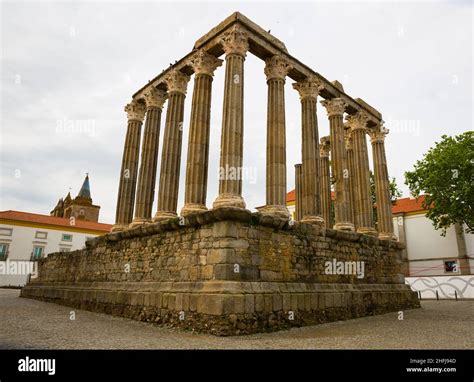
(68, 69)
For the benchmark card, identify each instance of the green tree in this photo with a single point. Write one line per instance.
(395, 193)
(446, 176)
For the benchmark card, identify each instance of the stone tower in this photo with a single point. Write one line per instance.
(80, 207)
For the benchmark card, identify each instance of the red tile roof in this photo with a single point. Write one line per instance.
(53, 220)
(402, 205)
(290, 196)
(408, 205)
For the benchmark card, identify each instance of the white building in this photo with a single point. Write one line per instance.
(427, 252)
(26, 237)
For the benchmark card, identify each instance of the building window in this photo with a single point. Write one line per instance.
(37, 253)
(451, 266)
(6, 231)
(41, 235)
(64, 249)
(66, 237)
(3, 251)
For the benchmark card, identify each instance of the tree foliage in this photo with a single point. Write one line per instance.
(446, 176)
(395, 193)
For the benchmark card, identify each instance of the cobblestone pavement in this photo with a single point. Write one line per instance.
(28, 324)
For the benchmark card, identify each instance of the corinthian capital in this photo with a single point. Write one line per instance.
(324, 147)
(135, 111)
(334, 106)
(358, 120)
(155, 98)
(276, 67)
(204, 63)
(177, 81)
(235, 41)
(309, 87)
(377, 135)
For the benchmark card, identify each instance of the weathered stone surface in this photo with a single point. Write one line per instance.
(179, 268)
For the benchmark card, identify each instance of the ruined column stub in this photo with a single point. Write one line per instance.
(325, 181)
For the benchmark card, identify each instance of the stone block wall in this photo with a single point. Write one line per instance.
(226, 271)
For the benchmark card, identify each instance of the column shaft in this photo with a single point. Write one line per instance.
(335, 108)
(298, 192)
(172, 143)
(129, 169)
(230, 181)
(382, 185)
(363, 198)
(275, 70)
(308, 90)
(149, 157)
(198, 145)
(325, 183)
(351, 175)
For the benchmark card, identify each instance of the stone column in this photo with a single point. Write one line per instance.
(308, 90)
(276, 69)
(382, 184)
(172, 142)
(204, 65)
(298, 192)
(154, 100)
(362, 198)
(128, 175)
(351, 172)
(335, 109)
(325, 182)
(235, 45)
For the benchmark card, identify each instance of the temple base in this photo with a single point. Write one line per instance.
(226, 272)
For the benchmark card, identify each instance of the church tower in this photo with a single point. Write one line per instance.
(80, 207)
